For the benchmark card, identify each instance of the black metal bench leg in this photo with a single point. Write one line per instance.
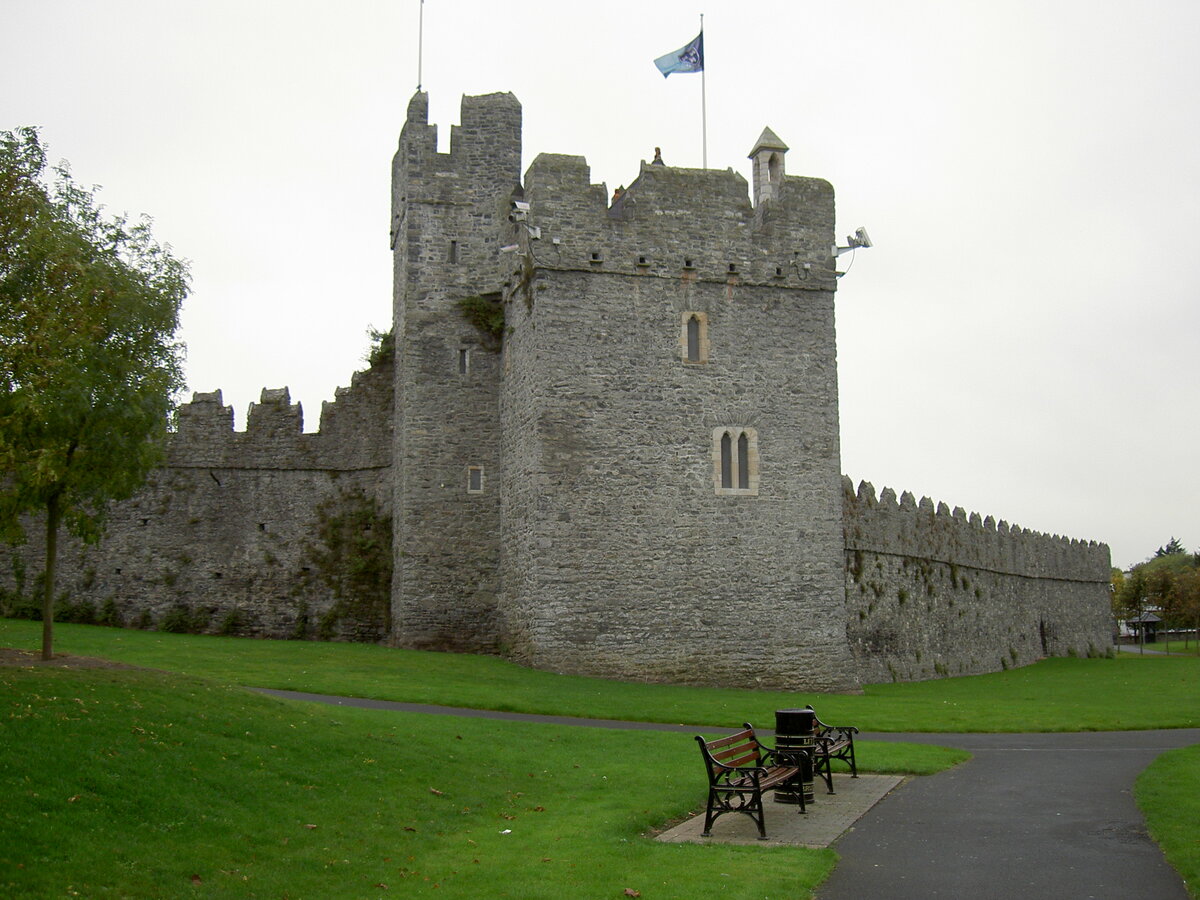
(756, 806)
(709, 816)
(825, 770)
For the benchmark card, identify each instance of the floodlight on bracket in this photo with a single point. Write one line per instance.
(853, 242)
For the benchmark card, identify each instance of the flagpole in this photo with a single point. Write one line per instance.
(421, 43)
(703, 102)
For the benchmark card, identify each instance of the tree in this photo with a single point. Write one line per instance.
(89, 363)
(1117, 592)
(1188, 588)
(1169, 549)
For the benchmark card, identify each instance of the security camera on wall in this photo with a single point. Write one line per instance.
(520, 211)
(861, 239)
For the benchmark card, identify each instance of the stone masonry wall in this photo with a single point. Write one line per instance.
(933, 592)
(620, 557)
(219, 533)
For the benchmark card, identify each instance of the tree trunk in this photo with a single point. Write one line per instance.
(52, 515)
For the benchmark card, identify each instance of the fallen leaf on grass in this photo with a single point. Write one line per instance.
(196, 879)
(630, 892)
(436, 791)
(310, 827)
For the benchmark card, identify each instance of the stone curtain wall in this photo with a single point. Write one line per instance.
(620, 558)
(933, 592)
(216, 540)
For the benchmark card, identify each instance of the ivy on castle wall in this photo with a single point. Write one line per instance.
(351, 557)
(486, 314)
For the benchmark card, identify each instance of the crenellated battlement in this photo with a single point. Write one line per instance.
(696, 224)
(355, 430)
(907, 527)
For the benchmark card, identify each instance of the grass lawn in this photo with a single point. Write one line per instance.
(134, 783)
(1167, 793)
(1130, 692)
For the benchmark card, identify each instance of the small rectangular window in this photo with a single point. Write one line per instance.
(452, 253)
(464, 360)
(475, 479)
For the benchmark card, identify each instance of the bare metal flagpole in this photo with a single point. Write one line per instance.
(703, 100)
(421, 43)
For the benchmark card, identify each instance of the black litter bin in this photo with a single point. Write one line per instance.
(794, 730)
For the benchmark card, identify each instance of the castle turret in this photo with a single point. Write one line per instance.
(768, 166)
(449, 220)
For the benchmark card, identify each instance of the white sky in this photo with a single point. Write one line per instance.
(1021, 341)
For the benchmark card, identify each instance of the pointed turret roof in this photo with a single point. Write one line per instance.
(768, 140)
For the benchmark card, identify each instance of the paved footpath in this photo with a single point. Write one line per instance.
(1031, 816)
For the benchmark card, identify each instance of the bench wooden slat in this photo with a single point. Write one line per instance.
(741, 736)
(747, 758)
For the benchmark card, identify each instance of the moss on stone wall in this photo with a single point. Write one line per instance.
(351, 557)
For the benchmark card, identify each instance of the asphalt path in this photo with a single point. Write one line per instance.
(1030, 816)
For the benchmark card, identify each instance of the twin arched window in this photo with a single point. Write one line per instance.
(735, 460)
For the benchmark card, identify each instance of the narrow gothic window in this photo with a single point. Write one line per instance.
(464, 360)
(693, 337)
(735, 461)
(452, 254)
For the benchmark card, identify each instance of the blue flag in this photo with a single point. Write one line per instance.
(686, 59)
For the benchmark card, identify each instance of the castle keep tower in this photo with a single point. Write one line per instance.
(643, 480)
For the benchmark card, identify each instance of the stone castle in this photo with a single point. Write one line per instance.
(606, 443)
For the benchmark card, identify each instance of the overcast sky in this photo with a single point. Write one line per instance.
(1022, 341)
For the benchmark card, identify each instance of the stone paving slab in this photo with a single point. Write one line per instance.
(828, 817)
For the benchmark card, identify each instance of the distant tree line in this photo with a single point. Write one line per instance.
(1167, 584)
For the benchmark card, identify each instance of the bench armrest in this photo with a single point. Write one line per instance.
(823, 729)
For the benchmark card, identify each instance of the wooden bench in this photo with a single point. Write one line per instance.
(739, 770)
(832, 742)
